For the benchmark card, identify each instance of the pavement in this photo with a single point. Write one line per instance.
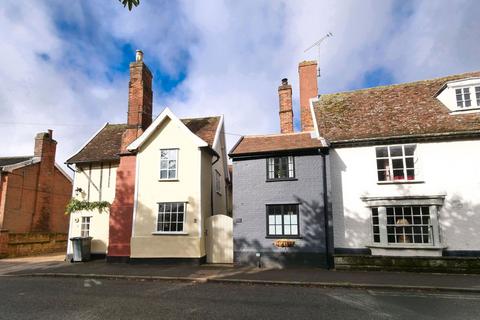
(54, 266)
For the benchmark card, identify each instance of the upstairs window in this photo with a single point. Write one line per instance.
(463, 97)
(396, 163)
(168, 164)
(280, 168)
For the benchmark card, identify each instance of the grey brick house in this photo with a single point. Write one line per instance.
(279, 203)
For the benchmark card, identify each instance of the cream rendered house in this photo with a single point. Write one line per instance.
(181, 180)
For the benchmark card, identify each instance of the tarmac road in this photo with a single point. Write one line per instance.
(67, 298)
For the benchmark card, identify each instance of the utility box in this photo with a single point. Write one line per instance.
(81, 248)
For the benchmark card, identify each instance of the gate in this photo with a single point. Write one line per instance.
(220, 239)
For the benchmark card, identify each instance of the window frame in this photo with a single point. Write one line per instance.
(176, 150)
(434, 204)
(390, 170)
(185, 204)
(462, 102)
(82, 224)
(290, 161)
(283, 235)
(477, 94)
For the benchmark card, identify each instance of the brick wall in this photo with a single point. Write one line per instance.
(286, 112)
(308, 89)
(27, 244)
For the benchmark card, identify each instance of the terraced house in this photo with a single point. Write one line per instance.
(280, 205)
(404, 171)
(166, 180)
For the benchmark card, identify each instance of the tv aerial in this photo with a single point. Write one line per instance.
(318, 44)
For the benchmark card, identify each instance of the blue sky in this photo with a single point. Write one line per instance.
(64, 64)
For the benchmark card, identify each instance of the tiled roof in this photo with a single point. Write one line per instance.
(390, 111)
(205, 128)
(6, 161)
(275, 143)
(106, 145)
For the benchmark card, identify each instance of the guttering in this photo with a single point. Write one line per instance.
(406, 138)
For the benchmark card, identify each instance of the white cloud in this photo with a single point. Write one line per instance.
(234, 52)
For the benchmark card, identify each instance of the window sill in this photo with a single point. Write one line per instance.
(401, 182)
(465, 110)
(284, 237)
(170, 233)
(406, 246)
(168, 180)
(282, 179)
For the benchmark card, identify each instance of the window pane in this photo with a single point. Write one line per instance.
(271, 230)
(382, 164)
(278, 229)
(163, 174)
(293, 219)
(286, 219)
(163, 164)
(278, 219)
(398, 175)
(410, 174)
(172, 164)
(409, 162)
(397, 163)
(180, 227)
(382, 176)
(381, 152)
(396, 151)
(410, 150)
(294, 230)
(271, 219)
(172, 174)
(286, 230)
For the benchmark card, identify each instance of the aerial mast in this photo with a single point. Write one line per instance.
(317, 44)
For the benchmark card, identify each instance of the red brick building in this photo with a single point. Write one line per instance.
(34, 190)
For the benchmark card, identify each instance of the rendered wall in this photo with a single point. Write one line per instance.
(450, 168)
(145, 242)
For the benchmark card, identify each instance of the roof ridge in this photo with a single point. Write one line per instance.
(277, 134)
(403, 83)
(192, 118)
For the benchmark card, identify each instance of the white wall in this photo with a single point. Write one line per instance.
(91, 178)
(450, 168)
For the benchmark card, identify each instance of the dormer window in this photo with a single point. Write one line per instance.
(463, 97)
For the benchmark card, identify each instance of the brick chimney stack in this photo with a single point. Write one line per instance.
(140, 94)
(286, 111)
(308, 89)
(45, 149)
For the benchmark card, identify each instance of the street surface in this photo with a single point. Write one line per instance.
(68, 298)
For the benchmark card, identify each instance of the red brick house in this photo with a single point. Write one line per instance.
(34, 190)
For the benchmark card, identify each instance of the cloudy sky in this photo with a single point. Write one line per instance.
(64, 64)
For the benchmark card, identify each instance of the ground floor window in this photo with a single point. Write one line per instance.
(85, 227)
(404, 221)
(171, 216)
(282, 220)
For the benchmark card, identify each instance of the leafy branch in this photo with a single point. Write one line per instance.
(77, 205)
(130, 3)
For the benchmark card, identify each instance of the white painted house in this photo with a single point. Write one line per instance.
(404, 167)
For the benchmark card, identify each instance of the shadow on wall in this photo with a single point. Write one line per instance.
(308, 250)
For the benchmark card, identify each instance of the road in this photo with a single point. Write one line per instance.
(67, 298)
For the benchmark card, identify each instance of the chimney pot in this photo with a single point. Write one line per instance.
(139, 56)
(284, 81)
(50, 133)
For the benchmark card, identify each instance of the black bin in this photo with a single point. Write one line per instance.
(81, 248)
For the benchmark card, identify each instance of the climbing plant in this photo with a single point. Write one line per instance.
(81, 205)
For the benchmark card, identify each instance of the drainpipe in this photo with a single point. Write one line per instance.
(328, 254)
